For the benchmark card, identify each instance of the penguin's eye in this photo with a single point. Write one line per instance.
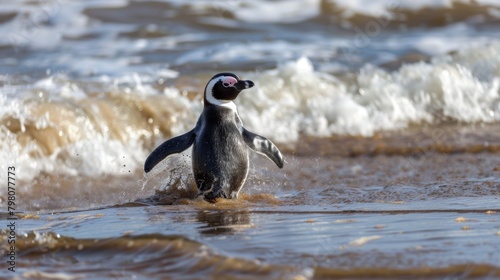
(228, 81)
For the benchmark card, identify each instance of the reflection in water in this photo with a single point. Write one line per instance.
(222, 222)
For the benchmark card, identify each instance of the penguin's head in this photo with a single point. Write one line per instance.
(223, 88)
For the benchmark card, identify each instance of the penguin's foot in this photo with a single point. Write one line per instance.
(211, 200)
(212, 197)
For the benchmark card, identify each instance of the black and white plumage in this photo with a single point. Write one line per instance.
(220, 155)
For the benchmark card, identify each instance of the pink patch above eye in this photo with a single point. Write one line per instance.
(228, 81)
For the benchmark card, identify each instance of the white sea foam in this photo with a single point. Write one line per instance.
(386, 7)
(287, 101)
(67, 36)
(296, 11)
(295, 99)
(53, 126)
(319, 48)
(48, 24)
(289, 11)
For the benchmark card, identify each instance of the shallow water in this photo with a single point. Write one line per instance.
(387, 113)
(331, 216)
(195, 243)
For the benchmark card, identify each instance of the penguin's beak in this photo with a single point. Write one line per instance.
(241, 84)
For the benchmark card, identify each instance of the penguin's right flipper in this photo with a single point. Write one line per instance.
(262, 145)
(172, 146)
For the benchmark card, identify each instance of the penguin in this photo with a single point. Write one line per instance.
(221, 145)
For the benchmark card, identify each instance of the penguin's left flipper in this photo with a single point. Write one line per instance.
(172, 146)
(262, 145)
